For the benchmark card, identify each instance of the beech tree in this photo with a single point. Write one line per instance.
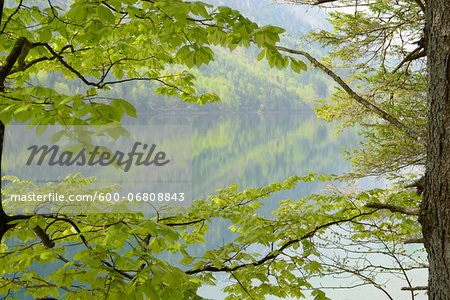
(103, 43)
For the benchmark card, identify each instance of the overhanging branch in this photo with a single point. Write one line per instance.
(393, 208)
(67, 66)
(44, 237)
(413, 55)
(320, 2)
(414, 241)
(324, 1)
(11, 59)
(415, 288)
(372, 107)
(274, 254)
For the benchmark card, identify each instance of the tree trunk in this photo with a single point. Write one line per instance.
(435, 208)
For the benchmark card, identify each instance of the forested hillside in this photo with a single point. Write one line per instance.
(242, 83)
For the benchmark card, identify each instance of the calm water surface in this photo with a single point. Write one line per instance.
(253, 150)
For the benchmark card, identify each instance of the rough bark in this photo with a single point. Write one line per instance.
(435, 208)
(5, 70)
(3, 217)
(4, 227)
(1, 10)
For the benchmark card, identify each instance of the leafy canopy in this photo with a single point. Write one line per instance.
(103, 43)
(106, 43)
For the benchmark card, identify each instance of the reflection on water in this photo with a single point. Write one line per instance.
(251, 150)
(255, 149)
(247, 149)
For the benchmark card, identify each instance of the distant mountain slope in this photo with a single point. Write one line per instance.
(295, 19)
(247, 85)
(242, 83)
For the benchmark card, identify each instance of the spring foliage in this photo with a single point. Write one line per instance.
(104, 43)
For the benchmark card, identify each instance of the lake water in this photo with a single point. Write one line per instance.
(256, 149)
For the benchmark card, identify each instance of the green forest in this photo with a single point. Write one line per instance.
(242, 84)
(301, 149)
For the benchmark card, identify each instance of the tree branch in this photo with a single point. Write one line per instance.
(31, 63)
(274, 254)
(101, 84)
(415, 288)
(85, 242)
(381, 113)
(319, 2)
(13, 56)
(70, 68)
(414, 241)
(10, 16)
(418, 184)
(420, 4)
(242, 286)
(44, 237)
(43, 58)
(415, 54)
(324, 1)
(72, 223)
(17, 55)
(1, 10)
(5, 220)
(393, 208)
(142, 79)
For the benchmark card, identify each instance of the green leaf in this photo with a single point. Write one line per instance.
(91, 92)
(261, 54)
(40, 129)
(78, 12)
(105, 14)
(46, 256)
(129, 108)
(65, 100)
(57, 136)
(150, 291)
(45, 35)
(297, 65)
